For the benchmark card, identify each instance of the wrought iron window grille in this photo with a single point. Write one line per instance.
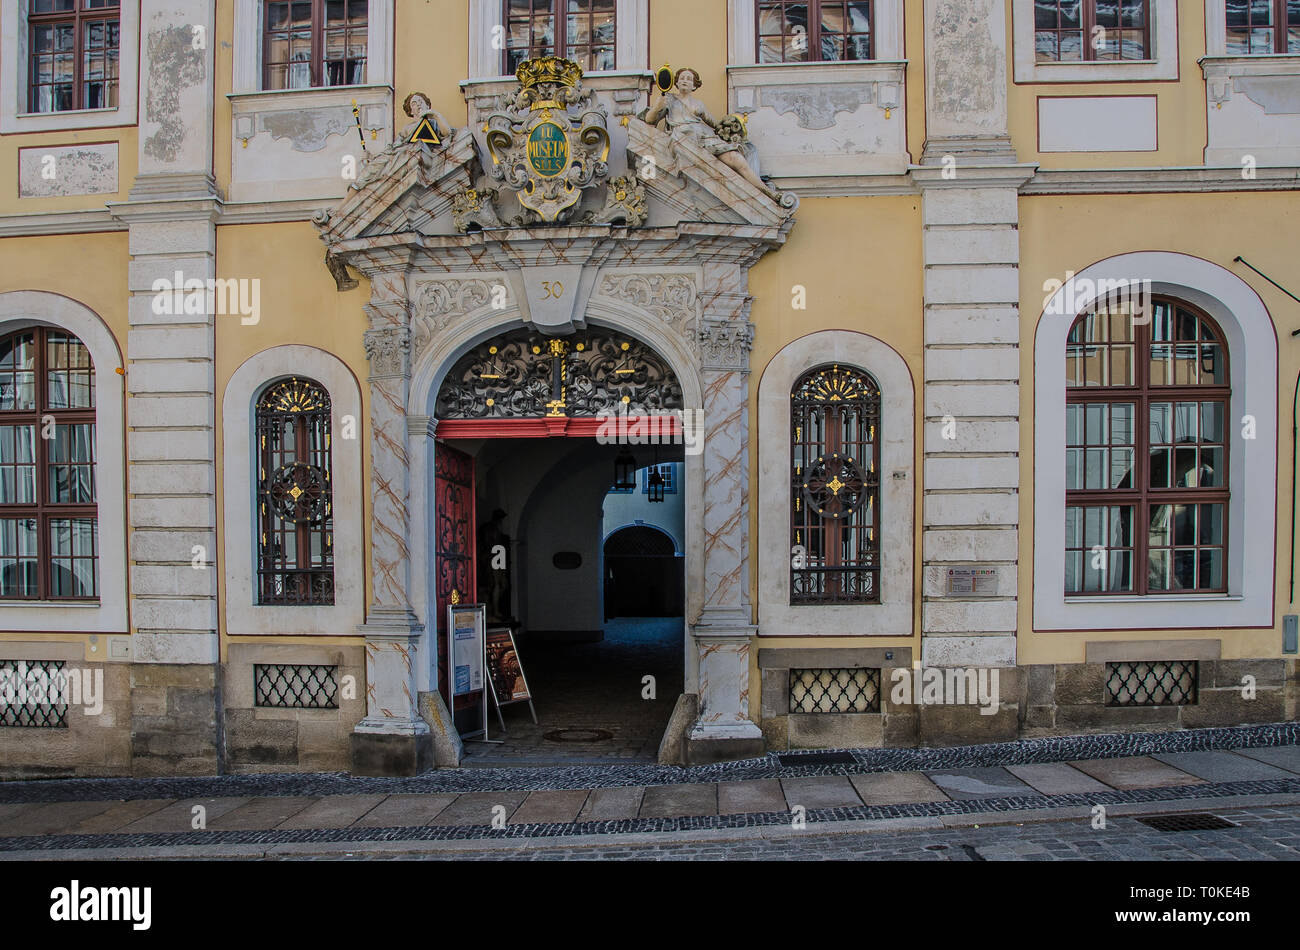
(1154, 683)
(25, 691)
(295, 686)
(835, 690)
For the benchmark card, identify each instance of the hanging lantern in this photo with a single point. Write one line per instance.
(655, 486)
(625, 471)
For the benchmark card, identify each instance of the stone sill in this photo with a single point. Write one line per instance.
(830, 72)
(1155, 599)
(327, 95)
(82, 604)
(1270, 64)
(476, 90)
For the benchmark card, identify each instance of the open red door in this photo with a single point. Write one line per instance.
(453, 551)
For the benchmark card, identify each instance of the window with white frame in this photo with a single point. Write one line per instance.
(295, 45)
(1094, 40)
(1261, 26)
(67, 64)
(1090, 30)
(765, 32)
(1151, 508)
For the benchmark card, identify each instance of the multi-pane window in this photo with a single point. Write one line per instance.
(1078, 30)
(580, 30)
(1146, 461)
(295, 504)
(814, 31)
(1263, 26)
(835, 488)
(73, 48)
(48, 515)
(308, 43)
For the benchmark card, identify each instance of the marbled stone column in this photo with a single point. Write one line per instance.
(393, 737)
(170, 404)
(724, 629)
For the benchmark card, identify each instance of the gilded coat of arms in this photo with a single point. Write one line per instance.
(549, 140)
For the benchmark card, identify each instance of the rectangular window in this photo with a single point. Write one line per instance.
(1068, 31)
(314, 43)
(807, 31)
(668, 472)
(1263, 26)
(73, 55)
(579, 30)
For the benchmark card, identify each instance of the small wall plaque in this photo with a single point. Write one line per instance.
(973, 581)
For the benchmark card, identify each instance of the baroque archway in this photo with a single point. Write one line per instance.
(459, 254)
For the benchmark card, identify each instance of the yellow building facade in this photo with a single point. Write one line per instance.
(975, 300)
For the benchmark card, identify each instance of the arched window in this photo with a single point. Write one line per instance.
(1146, 452)
(835, 488)
(295, 533)
(48, 515)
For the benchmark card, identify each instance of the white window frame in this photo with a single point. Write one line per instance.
(239, 487)
(1164, 38)
(631, 42)
(248, 48)
(27, 308)
(893, 615)
(14, 67)
(1252, 506)
(742, 39)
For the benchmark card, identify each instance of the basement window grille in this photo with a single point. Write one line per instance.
(1196, 821)
(26, 690)
(1155, 683)
(835, 691)
(295, 686)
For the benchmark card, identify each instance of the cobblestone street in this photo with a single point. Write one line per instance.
(1262, 834)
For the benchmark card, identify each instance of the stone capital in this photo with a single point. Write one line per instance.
(725, 344)
(389, 351)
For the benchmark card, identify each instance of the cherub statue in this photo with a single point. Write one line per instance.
(382, 164)
(686, 116)
(418, 107)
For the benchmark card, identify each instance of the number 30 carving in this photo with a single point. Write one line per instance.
(553, 290)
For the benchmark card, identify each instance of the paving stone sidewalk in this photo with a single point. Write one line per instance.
(1216, 777)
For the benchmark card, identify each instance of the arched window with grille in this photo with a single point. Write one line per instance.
(1146, 454)
(49, 538)
(835, 488)
(295, 534)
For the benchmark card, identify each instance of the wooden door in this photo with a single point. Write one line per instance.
(453, 549)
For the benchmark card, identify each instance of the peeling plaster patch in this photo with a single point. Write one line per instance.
(815, 107)
(964, 72)
(77, 170)
(174, 64)
(308, 129)
(1278, 95)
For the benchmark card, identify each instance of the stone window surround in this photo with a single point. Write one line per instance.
(23, 308)
(243, 616)
(1164, 38)
(893, 616)
(631, 44)
(742, 33)
(1252, 343)
(13, 77)
(248, 48)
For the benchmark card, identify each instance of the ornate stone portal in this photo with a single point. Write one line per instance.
(548, 218)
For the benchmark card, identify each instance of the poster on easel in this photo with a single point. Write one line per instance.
(505, 673)
(466, 642)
